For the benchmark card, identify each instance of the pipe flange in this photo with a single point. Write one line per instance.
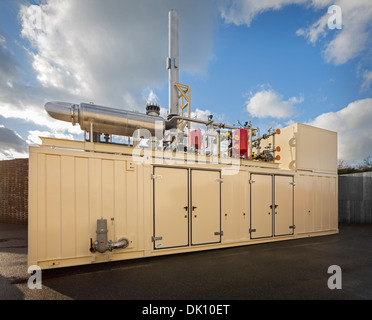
(74, 114)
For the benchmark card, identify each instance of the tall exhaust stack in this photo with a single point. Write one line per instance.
(173, 62)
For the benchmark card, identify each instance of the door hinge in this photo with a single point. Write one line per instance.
(219, 180)
(156, 239)
(293, 183)
(292, 227)
(252, 230)
(252, 181)
(154, 176)
(218, 233)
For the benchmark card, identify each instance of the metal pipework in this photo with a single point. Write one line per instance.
(207, 123)
(101, 244)
(173, 62)
(94, 118)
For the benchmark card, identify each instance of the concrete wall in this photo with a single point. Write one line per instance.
(14, 191)
(355, 197)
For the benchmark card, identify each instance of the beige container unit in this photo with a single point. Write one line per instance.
(73, 184)
(306, 148)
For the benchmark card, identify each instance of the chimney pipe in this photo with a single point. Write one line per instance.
(173, 62)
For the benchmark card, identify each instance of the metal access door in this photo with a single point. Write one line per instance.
(283, 206)
(171, 227)
(205, 207)
(261, 206)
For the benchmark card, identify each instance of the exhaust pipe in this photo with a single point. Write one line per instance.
(106, 120)
(173, 62)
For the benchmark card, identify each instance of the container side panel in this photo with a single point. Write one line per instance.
(205, 198)
(243, 208)
(148, 218)
(283, 214)
(95, 192)
(120, 198)
(32, 209)
(286, 140)
(171, 207)
(227, 208)
(261, 200)
(132, 202)
(53, 206)
(140, 206)
(107, 191)
(82, 206)
(41, 208)
(333, 203)
(327, 151)
(325, 203)
(316, 149)
(300, 204)
(318, 203)
(68, 223)
(310, 203)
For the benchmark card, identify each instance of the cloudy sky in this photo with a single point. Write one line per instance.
(273, 62)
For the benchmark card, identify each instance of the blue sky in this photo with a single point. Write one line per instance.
(272, 63)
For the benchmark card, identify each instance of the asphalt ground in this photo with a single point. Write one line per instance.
(285, 270)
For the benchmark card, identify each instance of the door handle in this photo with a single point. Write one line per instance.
(193, 208)
(186, 208)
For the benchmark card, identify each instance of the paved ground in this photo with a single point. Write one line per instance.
(283, 270)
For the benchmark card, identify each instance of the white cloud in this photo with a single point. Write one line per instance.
(11, 144)
(346, 44)
(241, 12)
(352, 40)
(367, 79)
(109, 51)
(106, 52)
(34, 136)
(268, 103)
(315, 31)
(152, 97)
(353, 125)
(38, 116)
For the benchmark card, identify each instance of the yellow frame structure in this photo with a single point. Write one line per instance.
(184, 94)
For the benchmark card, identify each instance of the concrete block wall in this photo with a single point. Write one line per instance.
(14, 191)
(355, 198)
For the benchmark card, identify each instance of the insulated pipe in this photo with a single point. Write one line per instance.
(173, 62)
(103, 119)
(93, 118)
